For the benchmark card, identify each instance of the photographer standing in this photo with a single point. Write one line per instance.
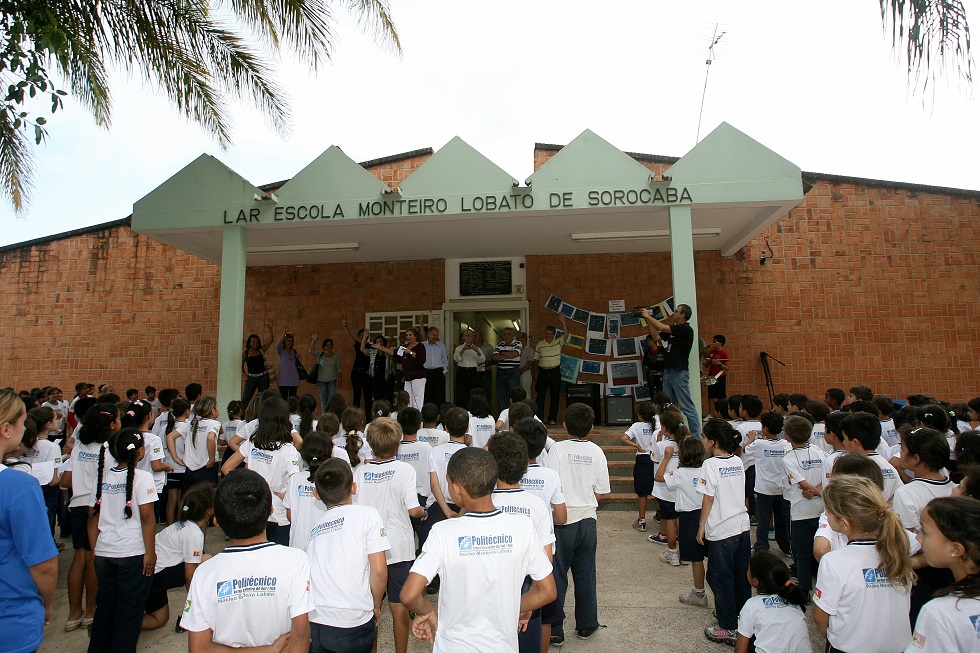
(469, 358)
(676, 375)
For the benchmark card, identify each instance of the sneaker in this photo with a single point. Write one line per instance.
(772, 534)
(718, 634)
(585, 634)
(671, 557)
(693, 598)
(177, 627)
(552, 422)
(657, 538)
(656, 515)
(640, 525)
(753, 520)
(557, 640)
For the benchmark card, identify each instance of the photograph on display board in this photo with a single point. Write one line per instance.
(576, 342)
(597, 325)
(554, 303)
(612, 326)
(627, 320)
(669, 304)
(581, 316)
(592, 367)
(625, 348)
(569, 368)
(598, 347)
(657, 312)
(559, 333)
(618, 392)
(567, 310)
(641, 392)
(624, 373)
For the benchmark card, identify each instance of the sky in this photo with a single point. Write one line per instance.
(818, 83)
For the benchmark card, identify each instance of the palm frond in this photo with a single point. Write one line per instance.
(934, 35)
(16, 164)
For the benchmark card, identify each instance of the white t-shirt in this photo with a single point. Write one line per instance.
(196, 454)
(912, 497)
(248, 595)
(154, 404)
(723, 478)
(684, 483)
(889, 434)
(439, 461)
(294, 421)
(182, 427)
(84, 467)
(120, 537)
(770, 473)
(818, 437)
(342, 585)
(744, 428)
(867, 613)
(275, 467)
(416, 454)
(228, 429)
(948, 624)
(582, 468)
(542, 459)
(364, 452)
(432, 437)
(837, 540)
(642, 434)
(892, 481)
(483, 559)
(518, 502)
(246, 430)
(153, 450)
(305, 509)
(660, 490)
(778, 626)
(828, 463)
(505, 418)
(340, 452)
(44, 451)
(388, 486)
(480, 429)
(182, 541)
(804, 464)
(544, 483)
(60, 409)
(159, 427)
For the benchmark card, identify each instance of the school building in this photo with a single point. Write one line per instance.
(847, 281)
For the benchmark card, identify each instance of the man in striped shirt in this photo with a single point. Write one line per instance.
(547, 355)
(507, 355)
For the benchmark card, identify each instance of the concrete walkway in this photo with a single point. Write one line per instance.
(637, 601)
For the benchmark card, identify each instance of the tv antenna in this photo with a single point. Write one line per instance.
(715, 40)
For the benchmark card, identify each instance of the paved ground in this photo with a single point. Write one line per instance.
(637, 601)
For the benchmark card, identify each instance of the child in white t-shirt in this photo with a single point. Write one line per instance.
(773, 621)
(235, 411)
(303, 509)
(416, 454)
(640, 436)
(255, 592)
(430, 433)
(542, 482)
(673, 430)
(389, 486)
(826, 538)
(805, 476)
(925, 454)
(352, 438)
(768, 452)
(861, 602)
(201, 445)
(724, 528)
(482, 425)
(124, 547)
(862, 436)
(140, 417)
(684, 482)
(175, 429)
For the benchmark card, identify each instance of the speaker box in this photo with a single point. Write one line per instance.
(619, 411)
(584, 393)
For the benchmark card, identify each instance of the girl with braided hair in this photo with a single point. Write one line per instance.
(123, 542)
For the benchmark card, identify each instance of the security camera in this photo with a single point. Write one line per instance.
(666, 178)
(762, 260)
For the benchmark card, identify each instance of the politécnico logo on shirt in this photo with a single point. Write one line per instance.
(264, 456)
(485, 545)
(327, 527)
(247, 587)
(774, 602)
(726, 472)
(579, 459)
(876, 578)
(378, 477)
(975, 620)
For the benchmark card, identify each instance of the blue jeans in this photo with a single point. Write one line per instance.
(118, 604)
(728, 564)
(507, 380)
(677, 385)
(333, 639)
(801, 534)
(327, 389)
(769, 505)
(576, 550)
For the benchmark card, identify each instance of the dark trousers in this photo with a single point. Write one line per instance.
(52, 494)
(529, 641)
(119, 604)
(467, 378)
(382, 389)
(772, 505)
(332, 639)
(360, 382)
(549, 381)
(728, 563)
(576, 550)
(435, 387)
(287, 391)
(276, 533)
(750, 488)
(486, 382)
(801, 534)
(254, 384)
(422, 526)
(507, 380)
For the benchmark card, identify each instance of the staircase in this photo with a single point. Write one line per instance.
(620, 461)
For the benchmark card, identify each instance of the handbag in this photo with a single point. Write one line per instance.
(271, 371)
(301, 370)
(314, 373)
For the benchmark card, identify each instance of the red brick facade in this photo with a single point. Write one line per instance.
(872, 283)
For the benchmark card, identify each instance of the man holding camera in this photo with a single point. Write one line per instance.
(676, 374)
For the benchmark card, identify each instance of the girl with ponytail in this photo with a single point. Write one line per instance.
(352, 436)
(862, 597)
(201, 445)
(773, 620)
(123, 542)
(303, 509)
(175, 443)
(950, 539)
(672, 430)
(139, 416)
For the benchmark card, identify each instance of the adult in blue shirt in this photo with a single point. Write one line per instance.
(436, 365)
(28, 557)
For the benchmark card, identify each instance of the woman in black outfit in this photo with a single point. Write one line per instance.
(360, 379)
(381, 368)
(253, 365)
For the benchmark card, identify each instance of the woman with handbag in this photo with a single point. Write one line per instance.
(381, 368)
(254, 365)
(289, 365)
(326, 373)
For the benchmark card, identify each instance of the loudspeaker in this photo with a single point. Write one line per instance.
(584, 393)
(619, 410)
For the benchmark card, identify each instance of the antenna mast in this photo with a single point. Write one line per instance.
(715, 39)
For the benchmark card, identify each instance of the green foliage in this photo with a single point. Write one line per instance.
(934, 34)
(199, 60)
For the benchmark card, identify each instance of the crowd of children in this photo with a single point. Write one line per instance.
(494, 513)
(856, 492)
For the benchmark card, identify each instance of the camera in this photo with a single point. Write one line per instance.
(637, 311)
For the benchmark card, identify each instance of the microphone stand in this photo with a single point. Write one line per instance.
(765, 358)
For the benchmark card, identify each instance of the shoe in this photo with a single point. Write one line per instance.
(640, 525)
(73, 624)
(671, 557)
(787, 554)
(753, 520)
(585, 634)
(772, 534)
(552, 422)
(557, 640)
(656, 515)
(657, 538)
(718, 634)
(87, 622)
(759, 548)
(693, 598)
(177, 628)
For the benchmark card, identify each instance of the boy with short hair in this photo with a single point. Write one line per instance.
(862, 436)
(834, 437)
(416, 454)
(751, 410)
(347, 591)
(151, 396)
(255, 593)
(480, 602)
(430, 433)
(805, 474)
(770, 481)
(515, 396)
(388, 485)
(540, 481)
(581, 466)
(456, 420)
